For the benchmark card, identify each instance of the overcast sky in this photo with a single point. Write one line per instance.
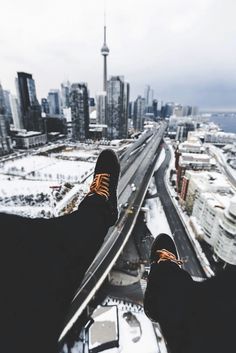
(185, 49)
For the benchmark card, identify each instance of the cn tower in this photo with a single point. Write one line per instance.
(105, 52)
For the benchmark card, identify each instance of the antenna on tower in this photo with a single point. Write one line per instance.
(105, 10)
(105, 22)
(105, 52)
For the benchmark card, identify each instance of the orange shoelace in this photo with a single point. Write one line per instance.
(165, 255)
(100, 185)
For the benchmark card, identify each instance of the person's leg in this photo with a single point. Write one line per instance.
(167, 301)
(168, 296)
(42, 265)
(82, 233)
(44, 262)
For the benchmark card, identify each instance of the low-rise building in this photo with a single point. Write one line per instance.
(220, 137)
(196, 161)
(29, 139)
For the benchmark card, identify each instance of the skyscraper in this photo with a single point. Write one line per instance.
(117, 106)
(124, 126)
(148, 95)
(54, 102)
(16, 114)
(155, 108)
(2, 101)
(65, 94)
(5, 141)
(8, 112)
(79, 103)
(139, 113)
(44, 106)
(101, 101)
(167, 109)
(5, 124)
(30, 108)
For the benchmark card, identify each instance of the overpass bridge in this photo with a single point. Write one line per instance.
(137, 167)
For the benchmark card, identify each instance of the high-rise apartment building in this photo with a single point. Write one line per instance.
(182, 131)
(45, 106)
(79, 103)
(54, 102)
(65, 94)
(124, 127)
(16, 114)
(117, 107)
(2, 101)
(101, 107)
(8, 112)
(148, 95)
(5, 141)
(30, 108)
(155, 108)
(139, 113)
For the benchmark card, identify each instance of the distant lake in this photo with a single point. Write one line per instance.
(226, 121)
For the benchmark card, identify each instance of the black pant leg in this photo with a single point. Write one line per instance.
(43, 263)
(167, 300)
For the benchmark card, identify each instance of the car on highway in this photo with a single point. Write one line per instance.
(133, 187)
(125, 205)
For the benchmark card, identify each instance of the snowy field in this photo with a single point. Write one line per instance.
(156, 218)
(27, 181)
(48, 168)
(160, 159)
(42, 186)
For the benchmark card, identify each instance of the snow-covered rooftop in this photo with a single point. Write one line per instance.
(209, 180)
(215, 200)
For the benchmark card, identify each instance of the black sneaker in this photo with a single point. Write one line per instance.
(105, 182)
(163, 249)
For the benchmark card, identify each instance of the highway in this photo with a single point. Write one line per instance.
(139, 164)
(183, 244)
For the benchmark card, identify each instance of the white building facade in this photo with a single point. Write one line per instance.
(208, 209)
(225, 246)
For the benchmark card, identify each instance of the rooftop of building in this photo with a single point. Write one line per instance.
(28, 133)
(193, 142)
(221, 133)
(195, 157)
(209, 178)
(216, 200)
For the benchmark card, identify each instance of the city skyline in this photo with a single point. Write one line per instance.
(183, 50)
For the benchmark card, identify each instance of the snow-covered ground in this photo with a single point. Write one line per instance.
(160, 159)
(156, 218)
(77, 153)
(48, 168)
(35, 185)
